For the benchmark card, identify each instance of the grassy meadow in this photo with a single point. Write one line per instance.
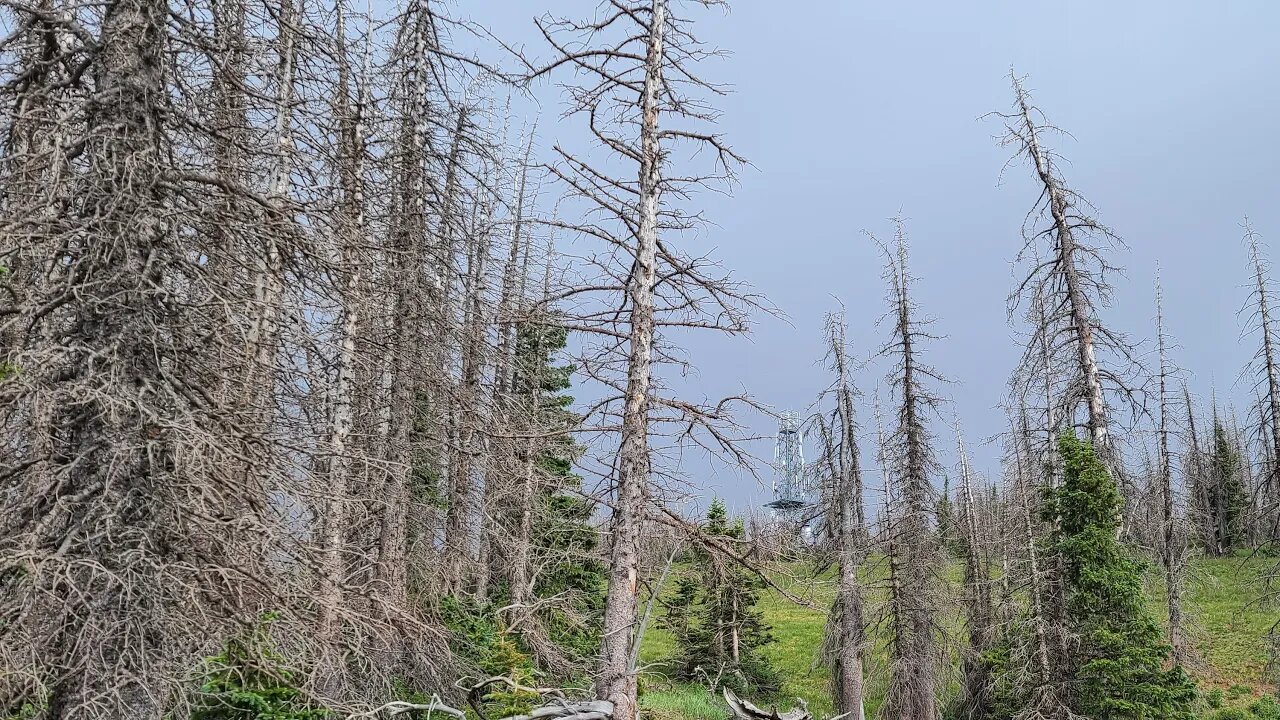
(1228, 628)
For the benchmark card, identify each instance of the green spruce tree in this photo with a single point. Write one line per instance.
(1219, 496)
(562, 636)
(1117, 662)
(565, 543)
(713, 615)
(950, 540)
(1227, 493)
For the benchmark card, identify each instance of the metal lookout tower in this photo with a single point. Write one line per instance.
(789, 487)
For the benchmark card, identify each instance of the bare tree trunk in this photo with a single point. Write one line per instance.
(1196, 471)
(406, 347)
(233, 245)
(848, 684)
(460, 531)
(913, 686)
(1035, 588)
(1263, 300)
(524, 456)
(1219, 499)
(617, 683)
(263, 339)
(1172, 547)
(456, 447)
(522, 543)
(977, 581)
(620, 88)
(496, 475)
(352, 234)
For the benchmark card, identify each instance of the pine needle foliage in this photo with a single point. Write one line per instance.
(565, 543)
(1118, 659)
(1226, 494)
(713, 615)
(481, 642)
(251, 680)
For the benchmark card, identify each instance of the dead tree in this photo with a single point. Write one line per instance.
(978, 608)
(1268, 387)
(846, 517)
(1038, 638)
(914, 647)
(130, 531)
(408, 249)
(36, 156)
(1066, 284)
(464, 337)
(1025, 493)
(268, 276)
(1197, 469)
(351, 107)
(1265, 360)
(744, 710)
(504, 470)
(462, 525)
(213, 352)
(1173, 545)
(428, 215)
(637, 89)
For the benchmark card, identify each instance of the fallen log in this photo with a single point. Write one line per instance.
(580, 710)
(559, 707)
(560, 710)
(745, 710)
(399, 707)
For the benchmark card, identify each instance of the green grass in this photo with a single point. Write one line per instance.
(1226, 625)
(683, 702)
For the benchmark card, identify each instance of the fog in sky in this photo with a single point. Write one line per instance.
(853, 112)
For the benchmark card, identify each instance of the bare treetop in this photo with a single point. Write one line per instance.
(1066, 281)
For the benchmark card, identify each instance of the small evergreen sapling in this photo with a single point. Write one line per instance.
(949, 536)
(713, 615)
(251, 680)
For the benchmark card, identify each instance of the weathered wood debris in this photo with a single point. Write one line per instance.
(564, 709)
(558, 710)
(745, 710)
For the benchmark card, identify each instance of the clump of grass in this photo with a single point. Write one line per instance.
(683, 702)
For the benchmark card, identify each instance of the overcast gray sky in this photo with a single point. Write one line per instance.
(855, 111)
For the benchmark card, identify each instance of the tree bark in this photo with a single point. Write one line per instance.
(1268, 351)
(617, 682)
(406, 347)
(1171, 552)
(350, 225)
(848, 684)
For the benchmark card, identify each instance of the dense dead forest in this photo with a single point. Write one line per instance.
(334, 383)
